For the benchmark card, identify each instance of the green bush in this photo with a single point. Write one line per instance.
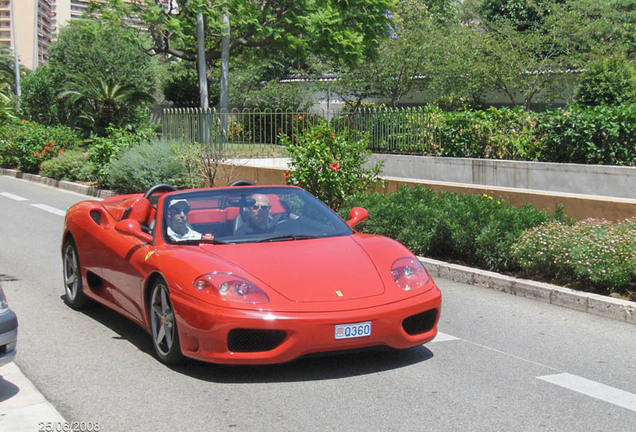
(25, 145)
(329, 165)
(594, 255)
(70, 166)
(608, 81)
(471, 229)
(588, 135)
(138, 168)
(105, 149)
(578, 134)
(38, 100)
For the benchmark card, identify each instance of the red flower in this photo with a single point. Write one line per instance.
(59, 151)
(335, 166)
(333, 135)
(36, 154)
(287, 175)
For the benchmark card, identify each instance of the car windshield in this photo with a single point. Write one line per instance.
(248, 215)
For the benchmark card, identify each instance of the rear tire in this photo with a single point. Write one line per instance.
(73, 286)
(163, 325)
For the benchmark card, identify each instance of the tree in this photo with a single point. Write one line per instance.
(403, 58)
(7, 77)
(38, 101)
(349, 31)
(7, 110)
(534, 46)
(102, 103)
(88, 53)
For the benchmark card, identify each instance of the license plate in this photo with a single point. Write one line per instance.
(349, 331)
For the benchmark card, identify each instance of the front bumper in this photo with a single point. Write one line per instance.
(232, 336)
(8, 337)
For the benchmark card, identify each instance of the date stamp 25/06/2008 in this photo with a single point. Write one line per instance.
(69, 426)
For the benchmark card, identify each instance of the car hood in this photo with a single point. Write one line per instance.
(314, 270)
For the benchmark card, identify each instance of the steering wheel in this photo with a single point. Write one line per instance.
(159, 187)
(242, 183)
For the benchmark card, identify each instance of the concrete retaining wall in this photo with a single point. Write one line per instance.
(605, 181)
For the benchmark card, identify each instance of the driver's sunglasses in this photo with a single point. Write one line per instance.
(179, 210)
(261, 206)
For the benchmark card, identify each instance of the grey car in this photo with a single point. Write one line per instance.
(8, 331)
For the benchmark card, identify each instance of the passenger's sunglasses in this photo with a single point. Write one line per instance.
(261, 206)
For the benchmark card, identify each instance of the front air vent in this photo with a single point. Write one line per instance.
(420, 323)
(254, 340)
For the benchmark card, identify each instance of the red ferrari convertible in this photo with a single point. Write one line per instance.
(246, 275)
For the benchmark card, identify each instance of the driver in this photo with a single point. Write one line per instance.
(257, 217)
(178, 226)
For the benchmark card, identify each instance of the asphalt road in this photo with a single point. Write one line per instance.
(501, 363)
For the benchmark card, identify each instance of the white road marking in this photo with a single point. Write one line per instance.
(593, 389)
(50, 209)
(13, 197)
(23, 408)
(443, 337)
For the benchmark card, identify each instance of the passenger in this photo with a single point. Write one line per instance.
(178, 226)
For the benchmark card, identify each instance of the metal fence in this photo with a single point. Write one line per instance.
(257, 133)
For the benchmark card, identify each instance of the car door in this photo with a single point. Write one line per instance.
(122, 257)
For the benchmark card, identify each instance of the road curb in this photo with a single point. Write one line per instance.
(70, 186)
(593, 304)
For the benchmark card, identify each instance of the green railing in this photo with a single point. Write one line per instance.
(256, 133)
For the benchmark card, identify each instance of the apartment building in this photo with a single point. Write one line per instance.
(18, 28)
(33, 40)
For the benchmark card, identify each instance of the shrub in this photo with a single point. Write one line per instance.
(471, 229)
(138, 168)
(578, 134)
(329, 165)
(104, 149)
(609, 81)
(588, 135)
(592, 254)
(39, 100)
(70, 166)
(25, 145)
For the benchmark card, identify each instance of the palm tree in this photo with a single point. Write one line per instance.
(7, 72)
(101, 103)
(7, 109)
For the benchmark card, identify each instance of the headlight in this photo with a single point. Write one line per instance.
(231, 288)
(409, 274)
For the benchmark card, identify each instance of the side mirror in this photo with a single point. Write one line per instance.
(133, 228)
(357, 215)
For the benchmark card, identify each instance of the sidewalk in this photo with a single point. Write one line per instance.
(22, 406)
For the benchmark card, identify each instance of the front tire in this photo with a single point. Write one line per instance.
(165, 337)
(73, 288)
